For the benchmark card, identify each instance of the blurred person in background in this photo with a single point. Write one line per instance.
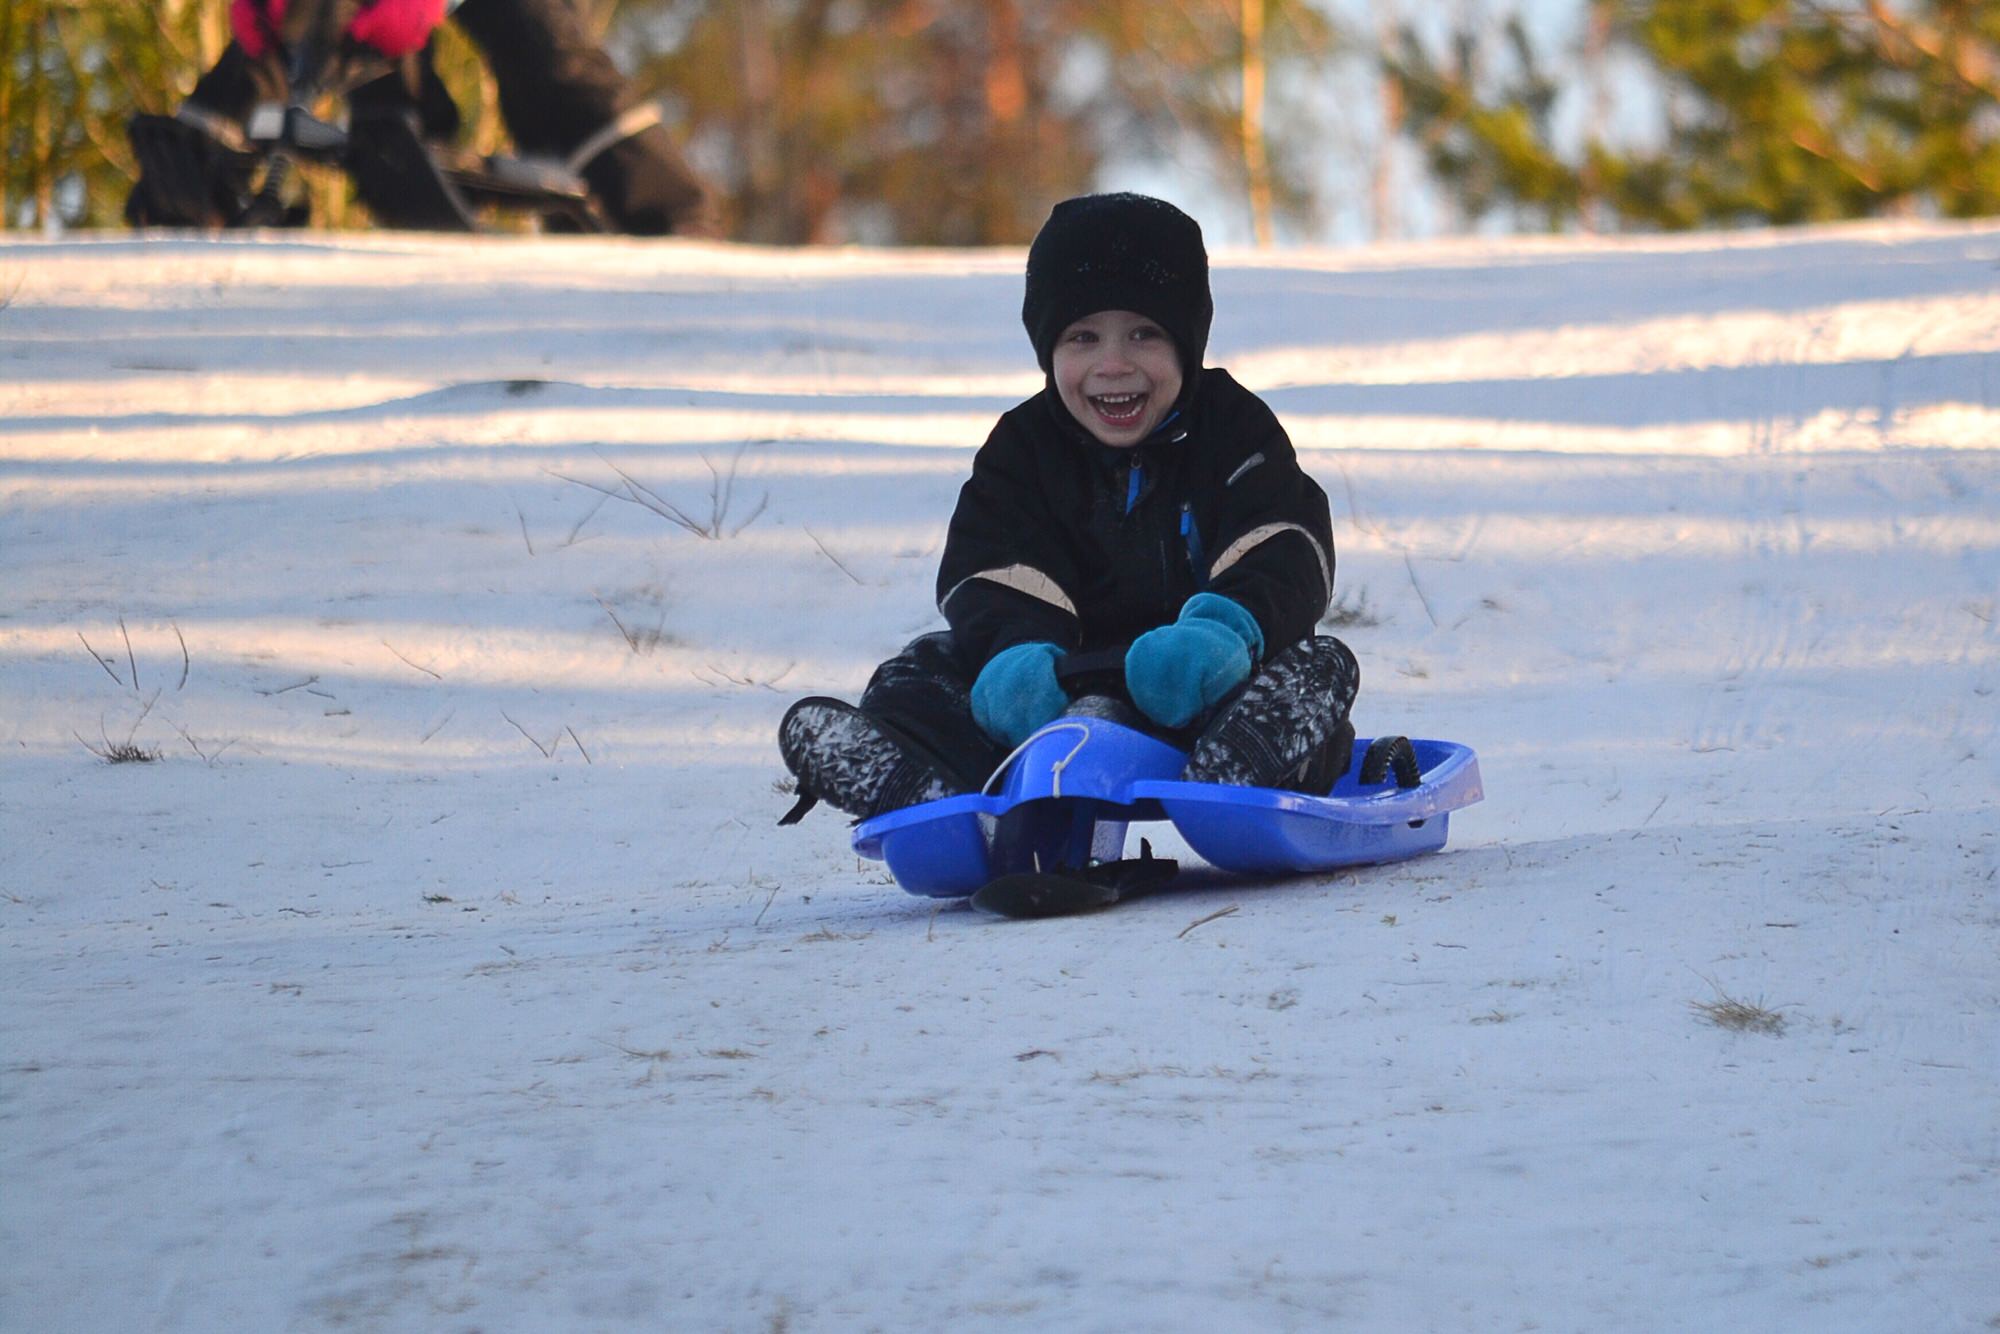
(560, 97)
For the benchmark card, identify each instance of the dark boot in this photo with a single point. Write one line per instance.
(562, 97)
(194, 171)
(1289, 726)
(913, 739)
(853, 762)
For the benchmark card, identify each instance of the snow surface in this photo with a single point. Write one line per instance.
(446, 970)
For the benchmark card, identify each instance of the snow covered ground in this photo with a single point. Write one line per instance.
(445, 971)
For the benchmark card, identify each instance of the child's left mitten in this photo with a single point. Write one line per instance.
(1180, 671)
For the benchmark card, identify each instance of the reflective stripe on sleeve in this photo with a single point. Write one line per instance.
(1022, 579)
(1243, 545)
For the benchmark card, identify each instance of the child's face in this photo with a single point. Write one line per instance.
(1118, 374)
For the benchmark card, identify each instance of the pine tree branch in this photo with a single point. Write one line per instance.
(1971, 64)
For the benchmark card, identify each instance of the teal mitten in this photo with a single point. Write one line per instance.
(1180, 671)
(1016, 692)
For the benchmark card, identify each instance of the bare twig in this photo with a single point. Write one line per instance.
(206, 757)
(762, 502)
(608, 492)
(547, 751)
(1411, 567)
(419, 666)
(184, 654)
(579, 744)
(525, 539)
(721, 497)
(735, 679)
(296, 685)
(830, 556)
(767, 906)
(1204, 921)
(631, 639)
(1354, 505)
(99, 659)
(134, 661)
(578, 527)
(638, 493)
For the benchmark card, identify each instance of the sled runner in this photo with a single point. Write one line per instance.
(1061, 804)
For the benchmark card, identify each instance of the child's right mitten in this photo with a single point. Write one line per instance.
(1016, 692)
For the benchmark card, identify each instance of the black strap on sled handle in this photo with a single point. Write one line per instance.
(1075, 667)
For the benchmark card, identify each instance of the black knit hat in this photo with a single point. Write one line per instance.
(1119, 252)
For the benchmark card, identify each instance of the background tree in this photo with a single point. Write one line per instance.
(70, 76)
(920, 121)
(959, 123)
(1776, 111)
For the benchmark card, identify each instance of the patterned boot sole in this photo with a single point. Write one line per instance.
(845, 758)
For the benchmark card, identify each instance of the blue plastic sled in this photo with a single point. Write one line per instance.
(1065, 798)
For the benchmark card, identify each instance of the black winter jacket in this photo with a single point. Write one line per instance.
(1058, 537)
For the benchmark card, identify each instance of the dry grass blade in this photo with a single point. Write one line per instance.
(762, 502)
(134, 661)
(642, 640)
(638, 493)
(837, 563)
(1739, 1016)
(406, 661)
(631, 639)
(126, 751)
(548, 752)
(717, 676)
(207, 757)
(1342, 613)
(577, 529)
(99, 658)
(1204, 921)
(721, 498)
(1411, 567)
(119, 752)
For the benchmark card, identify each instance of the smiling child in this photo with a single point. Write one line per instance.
(1140, 507)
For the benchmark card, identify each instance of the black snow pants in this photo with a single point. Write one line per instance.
(558, 91)
(1287, 727)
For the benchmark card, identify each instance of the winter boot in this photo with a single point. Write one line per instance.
(194, 170)
(855, 762)
(1289, 727)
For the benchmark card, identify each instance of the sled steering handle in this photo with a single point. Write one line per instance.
(1074, 669)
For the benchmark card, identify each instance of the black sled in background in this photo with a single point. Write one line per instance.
(1046, 837)
(249, 178)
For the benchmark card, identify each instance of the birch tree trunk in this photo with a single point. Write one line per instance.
(1256, 166)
